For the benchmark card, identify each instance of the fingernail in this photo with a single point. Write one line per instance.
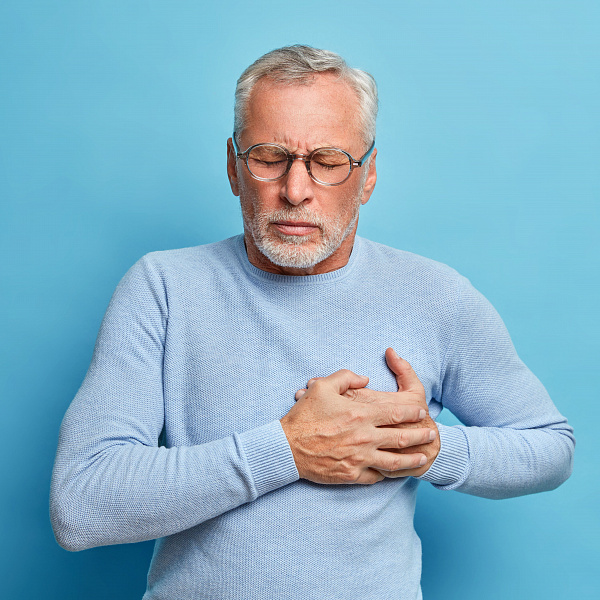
(422, 414)
(395, 353)
(432, 435)
(423, 460)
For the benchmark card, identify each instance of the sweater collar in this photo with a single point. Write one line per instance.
(332, 276)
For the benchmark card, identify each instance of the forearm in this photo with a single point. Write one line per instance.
(112, 483)
(514, 440)
(498, 462)
(130, 492)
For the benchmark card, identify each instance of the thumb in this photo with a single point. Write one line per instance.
(406, 378)
(343, 380)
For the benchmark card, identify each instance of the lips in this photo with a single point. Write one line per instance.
(295, 227)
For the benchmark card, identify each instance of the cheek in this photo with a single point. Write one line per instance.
(261, 199)
(253, 203)
(347, 202)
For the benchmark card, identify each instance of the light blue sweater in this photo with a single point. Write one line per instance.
(175, 432)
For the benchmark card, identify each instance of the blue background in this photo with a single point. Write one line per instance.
(114, 116)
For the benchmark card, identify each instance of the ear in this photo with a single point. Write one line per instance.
(371, 178)
(232, 168)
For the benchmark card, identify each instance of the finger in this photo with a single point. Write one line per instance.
(403, 472)
(370, 476)
(390, 438)
(388, 463)
(313, 380)
(397, 474)
(367, 396)
(406, 378)
(300, 393)
(343, 380)
(392, 413)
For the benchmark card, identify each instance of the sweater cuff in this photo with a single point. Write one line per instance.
(451, 466)
(269, 457)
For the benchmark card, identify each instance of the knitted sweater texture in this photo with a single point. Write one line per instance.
(175, 433)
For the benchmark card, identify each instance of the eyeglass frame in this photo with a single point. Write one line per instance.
(305, 158)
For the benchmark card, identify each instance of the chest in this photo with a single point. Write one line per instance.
(234, 358)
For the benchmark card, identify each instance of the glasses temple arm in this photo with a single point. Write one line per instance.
(235, 146)
(368, 153)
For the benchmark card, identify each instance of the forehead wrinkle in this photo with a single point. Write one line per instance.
(304, 118)
(297, 146)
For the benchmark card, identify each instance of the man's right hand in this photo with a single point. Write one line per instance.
(336, 440)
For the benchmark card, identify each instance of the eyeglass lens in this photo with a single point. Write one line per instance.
(328, 165)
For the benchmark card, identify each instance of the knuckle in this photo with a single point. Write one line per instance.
(317, 386)
(355, 415)
(360, 440)
(398, 413)
(351, 393)
(402, 438)
(399, 463)
(355, 460)
(349, 475)
(361, 395)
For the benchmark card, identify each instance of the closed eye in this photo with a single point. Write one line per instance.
(329, 166)
(268, 162)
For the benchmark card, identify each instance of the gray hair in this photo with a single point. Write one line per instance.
(299, 65)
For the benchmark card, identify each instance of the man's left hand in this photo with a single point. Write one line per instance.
(412, 392)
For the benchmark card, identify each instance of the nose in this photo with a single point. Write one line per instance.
(297, 186)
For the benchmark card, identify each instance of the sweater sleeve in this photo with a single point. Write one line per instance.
(112, 482)
(513, 441)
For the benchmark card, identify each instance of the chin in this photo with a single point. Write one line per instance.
(294, 254)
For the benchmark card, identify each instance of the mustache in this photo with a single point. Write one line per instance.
(299, 214)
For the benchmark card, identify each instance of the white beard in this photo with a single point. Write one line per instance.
(295, 250)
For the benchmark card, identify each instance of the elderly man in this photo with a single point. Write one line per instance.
(234, 385)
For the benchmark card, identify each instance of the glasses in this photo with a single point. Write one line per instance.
(327, 166)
